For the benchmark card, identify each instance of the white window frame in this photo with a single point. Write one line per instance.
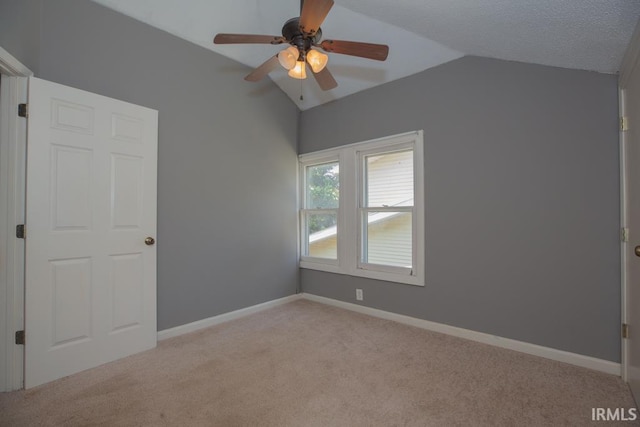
(349, 228)
(316, 161)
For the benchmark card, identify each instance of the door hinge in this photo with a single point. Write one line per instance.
(624, 234)
(625, 330)
(23, 110)
(20, 337)
(624, 123)
(20, 231)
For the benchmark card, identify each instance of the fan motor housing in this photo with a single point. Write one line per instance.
(291, 31)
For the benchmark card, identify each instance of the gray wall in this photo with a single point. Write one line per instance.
(521, 178)
(226, 156)
(522, 199)
(20, 30)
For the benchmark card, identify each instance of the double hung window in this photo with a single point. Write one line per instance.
(362, 209)
(320, 214)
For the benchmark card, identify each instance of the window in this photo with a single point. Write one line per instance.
(320, 212)
(362, 209)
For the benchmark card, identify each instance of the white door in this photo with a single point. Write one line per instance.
(632, 195)
(90, 283)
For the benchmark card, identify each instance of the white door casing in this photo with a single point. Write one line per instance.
(629, 89)
(13, 138)
(632, 201)
(90, 285)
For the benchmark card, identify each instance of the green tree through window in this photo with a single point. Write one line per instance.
(323, 186)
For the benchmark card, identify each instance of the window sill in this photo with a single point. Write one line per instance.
(369, 274)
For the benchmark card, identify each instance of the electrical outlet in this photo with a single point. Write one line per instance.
(359, 295)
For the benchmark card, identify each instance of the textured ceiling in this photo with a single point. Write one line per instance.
(581, 34)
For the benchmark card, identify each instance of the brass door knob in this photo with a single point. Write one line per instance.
(150, 241)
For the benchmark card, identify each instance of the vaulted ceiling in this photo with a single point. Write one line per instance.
(579, 34)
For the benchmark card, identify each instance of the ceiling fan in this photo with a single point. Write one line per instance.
(304, 36)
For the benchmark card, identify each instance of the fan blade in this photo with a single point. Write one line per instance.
(268, 66)
(378, 52)
(246, 38)
(313, 14)
(325, 79)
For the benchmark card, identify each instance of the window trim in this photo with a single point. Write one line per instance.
(303, 211)
(349, 233)
(361, 156)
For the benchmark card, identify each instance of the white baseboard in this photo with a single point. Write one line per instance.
(523, 347)
(216, 320)
(507, 343)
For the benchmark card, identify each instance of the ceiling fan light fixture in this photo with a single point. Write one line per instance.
(301, 44)
(299, 71)
(317, 60)
(288, 57)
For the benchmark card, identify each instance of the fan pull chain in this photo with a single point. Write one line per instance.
(301, 97)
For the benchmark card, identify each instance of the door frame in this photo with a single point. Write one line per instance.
(630, 64)
(13, 140)
(623, 243)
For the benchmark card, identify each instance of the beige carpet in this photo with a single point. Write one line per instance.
(306, 364)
